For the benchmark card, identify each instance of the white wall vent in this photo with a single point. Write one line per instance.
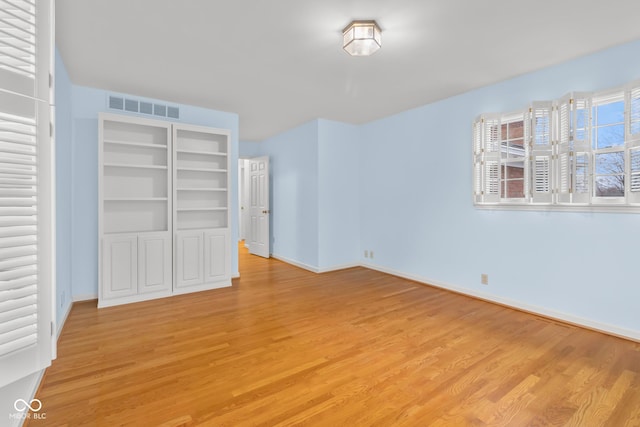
(116, 102)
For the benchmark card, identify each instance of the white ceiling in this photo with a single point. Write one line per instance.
(279, 63)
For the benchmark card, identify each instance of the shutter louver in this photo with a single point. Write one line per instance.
(18, 46)
(491, 159)
(18, 233)
(541, 152)
(632, 139)
(573, 164)
(633, 105)
(564, 164)
(477, 161)
(25, 198)
(634, 175)
(580, 146)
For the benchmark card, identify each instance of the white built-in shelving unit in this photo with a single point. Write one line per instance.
(201, 203)
(163, 209)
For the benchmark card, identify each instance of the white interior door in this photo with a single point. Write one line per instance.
(259, 206)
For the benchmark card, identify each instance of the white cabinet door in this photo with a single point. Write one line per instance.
(216, 255)
(119, 266)
(189, 259)
(154, 262)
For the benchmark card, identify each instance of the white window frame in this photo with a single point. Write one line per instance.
(505, 141)
(597, 101)
(560, 169)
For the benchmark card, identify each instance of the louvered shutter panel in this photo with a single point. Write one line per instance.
(632, 139)
(580, 145)
(491, 159)
(477, 160)
(564, 163)
(526, 123)
(541, 152)
(25, 189)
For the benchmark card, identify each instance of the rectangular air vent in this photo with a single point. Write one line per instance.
(116, 102)
(160, 110)
(131, 105)
(143, 107)
(146, 107)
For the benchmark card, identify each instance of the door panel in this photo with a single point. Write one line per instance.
(154, 257)
(216, 255)
(120, 266)
(189, 259)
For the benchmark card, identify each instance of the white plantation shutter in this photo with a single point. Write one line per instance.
(573, 164)
(632, 138)
(564, 163)
(580, 145)
(477, 160)
(491, 159)
(25, 189)
(527, 150)
(541, 152)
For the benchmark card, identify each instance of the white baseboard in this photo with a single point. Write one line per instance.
(235, 275)
(313, 268)
(296, 263)
(64, 319)
(85, 297)
(338, 267)
(553, 314)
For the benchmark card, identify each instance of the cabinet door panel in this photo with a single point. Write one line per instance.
(189, 259)
(119, 266)
(216, 255)
(154, 263)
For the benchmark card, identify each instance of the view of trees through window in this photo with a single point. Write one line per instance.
(607, 136)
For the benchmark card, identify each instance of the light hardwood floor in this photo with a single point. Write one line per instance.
(284, 346)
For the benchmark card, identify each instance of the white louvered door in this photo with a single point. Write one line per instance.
(541, 152)
(632, 139)
(26, 189)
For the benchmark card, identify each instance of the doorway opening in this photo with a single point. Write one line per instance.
(254, 212)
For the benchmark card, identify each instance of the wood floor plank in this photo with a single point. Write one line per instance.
(355, 347)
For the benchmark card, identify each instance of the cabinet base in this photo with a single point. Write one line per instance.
(202, 287)
(110, 302)
(102, 302)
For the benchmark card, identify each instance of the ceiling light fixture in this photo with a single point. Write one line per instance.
(362, 38)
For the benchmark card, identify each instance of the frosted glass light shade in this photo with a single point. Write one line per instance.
(362, 38)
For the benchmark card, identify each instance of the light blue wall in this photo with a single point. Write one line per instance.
(314, 193)
(64, 179)
(338, 194)
(294, 193)
(87, 103)
(416, 211)
(249, 149)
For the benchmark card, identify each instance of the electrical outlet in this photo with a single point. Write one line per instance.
(366, 254)
(371, 254)
(484, 279)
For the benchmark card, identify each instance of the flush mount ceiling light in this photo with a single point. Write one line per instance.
(362, 38)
